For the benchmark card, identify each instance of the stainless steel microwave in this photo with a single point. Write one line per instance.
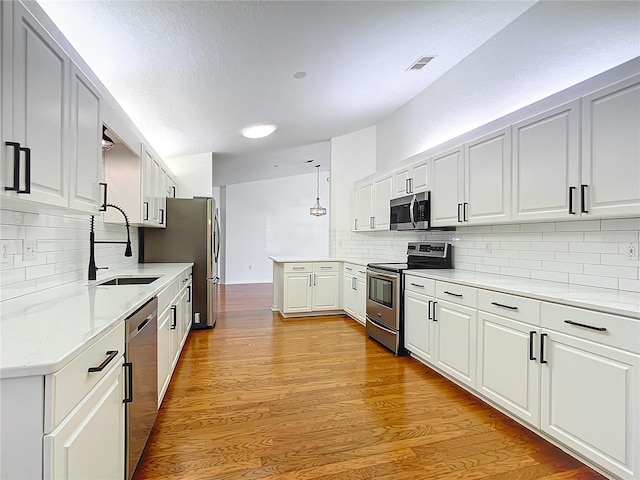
(412, 212)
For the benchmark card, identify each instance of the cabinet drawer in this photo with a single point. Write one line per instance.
(355, 270)
(65, 388)
(422, 285)
(459, 294)
(298, 267)
(168, 294)
(185, 277)
(326, 267)
(511, 306)
(603, 328)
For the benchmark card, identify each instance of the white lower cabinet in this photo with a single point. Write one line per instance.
(418, 325)
(311, 287)
(354, 293)
(90, 442)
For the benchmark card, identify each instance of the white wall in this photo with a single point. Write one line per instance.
(62, 246)
(271, 218)
(194, 174)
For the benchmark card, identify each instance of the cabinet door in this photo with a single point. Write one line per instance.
(297, 292)
(589, 401)
(488, 178)
(361, 299)
(401, 182)
(163, 187)
(354, 210)
(418, 336)
(325, 291)
(89, 443)
(165, 353)
(174, 332)
(85, 171)
(147, 186)
(365, 208)
(508, 370)
(420, 176)
(348, 294)
(447, 191)
(38, 115)
(455, 341)
(383, 190)
(546, 155)
(611, 149)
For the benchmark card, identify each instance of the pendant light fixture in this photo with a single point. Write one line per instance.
(317, 210)
(107, 143)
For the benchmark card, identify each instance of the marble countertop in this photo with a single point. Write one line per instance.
(600, 299)
(293, 259)
(41, 332)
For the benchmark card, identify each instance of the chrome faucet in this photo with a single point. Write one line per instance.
(93, 270)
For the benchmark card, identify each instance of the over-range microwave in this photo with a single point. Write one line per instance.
(412, 212)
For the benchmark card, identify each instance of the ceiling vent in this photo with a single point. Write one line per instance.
(420, 63)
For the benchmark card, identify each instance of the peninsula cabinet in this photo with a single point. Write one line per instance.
(51, 126)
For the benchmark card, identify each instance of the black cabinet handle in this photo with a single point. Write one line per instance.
(16, 166)
(532, 333)
(417, 285)
(174, 321)
(459, 295)
(111, 354)
(465, 216)
(429, 310)
(503, 306)
(433, 317)
(173, 187)
(583, 199)
(27, 170)
(129, 398)
(542, 337)
(189, 294)
(103, 207)
(161, 216)
(590, 327)
(459, 208)
(146, 210)
(571, 210)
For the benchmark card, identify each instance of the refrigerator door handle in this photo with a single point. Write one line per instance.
(216, 238)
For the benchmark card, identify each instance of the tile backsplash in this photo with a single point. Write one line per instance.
(588, 252)
(62, 250)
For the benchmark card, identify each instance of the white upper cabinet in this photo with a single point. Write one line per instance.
(546, 153)
(487, 179)
(611, 150)
(412, 179)
(364, 208)
(447, 191)
(85, 171)
(382, 192)
(35, 110)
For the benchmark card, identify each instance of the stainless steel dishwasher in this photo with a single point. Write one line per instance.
(141, 355)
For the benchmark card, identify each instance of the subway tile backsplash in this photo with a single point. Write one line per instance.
(589, 252)
(62, 250)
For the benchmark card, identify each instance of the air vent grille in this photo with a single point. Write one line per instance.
(420, 63)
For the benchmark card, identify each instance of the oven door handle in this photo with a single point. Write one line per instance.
(411, 207)
(382, 275)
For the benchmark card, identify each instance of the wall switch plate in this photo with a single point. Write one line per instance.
(4, 253)
(29, 252)
(632, 251)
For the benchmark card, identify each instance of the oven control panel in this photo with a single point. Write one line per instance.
(429, 249)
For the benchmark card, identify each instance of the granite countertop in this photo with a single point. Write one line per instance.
(41, 332)
(600, 299)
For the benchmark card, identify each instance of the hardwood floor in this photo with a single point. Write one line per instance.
(261, 397)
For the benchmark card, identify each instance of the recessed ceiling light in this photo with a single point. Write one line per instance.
(258, 131)
(299, 74)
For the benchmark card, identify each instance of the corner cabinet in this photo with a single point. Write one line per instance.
(51, 126)
(306, 288)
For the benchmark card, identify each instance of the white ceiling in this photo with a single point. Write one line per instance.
(192, 74)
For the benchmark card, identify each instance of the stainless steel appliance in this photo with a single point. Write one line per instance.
(385, 291)
(412, 212)
(141, 359)
(192, 235)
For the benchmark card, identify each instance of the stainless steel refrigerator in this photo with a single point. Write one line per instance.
(192, 235)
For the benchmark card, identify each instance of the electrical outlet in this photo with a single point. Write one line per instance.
(4, 253)
(29, 252)
(197, 317)
(632, 251)
(487, 247)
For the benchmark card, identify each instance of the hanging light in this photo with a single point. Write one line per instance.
(107, 143)
(317, 210)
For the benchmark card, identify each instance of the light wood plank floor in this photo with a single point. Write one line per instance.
(260, 397)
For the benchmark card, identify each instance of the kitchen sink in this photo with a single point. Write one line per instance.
(128, 281)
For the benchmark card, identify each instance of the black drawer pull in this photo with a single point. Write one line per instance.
(16, 166)
(598, 329)
(103, 207)
(542, 337)
(111, 355)
(129, 398)
(503, 306)
(27, 170)
(417, 285)
(459, 295)
(532, 333)
(174, 320)
(429, 310)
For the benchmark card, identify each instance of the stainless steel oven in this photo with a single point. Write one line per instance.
(385, 291)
